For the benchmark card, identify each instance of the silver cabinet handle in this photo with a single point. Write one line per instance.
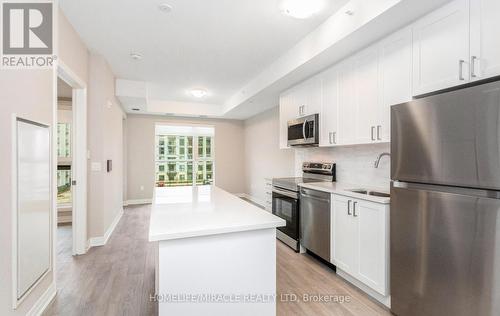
(378, 132)
(473, 67)
(354, 209)
(334, 135)
(373, 132)
(304, 129)
(460, 69)
(330, 138)
(349, 207)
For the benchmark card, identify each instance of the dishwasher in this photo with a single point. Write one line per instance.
(315, 222)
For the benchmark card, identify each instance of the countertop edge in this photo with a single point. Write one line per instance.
(211, 232)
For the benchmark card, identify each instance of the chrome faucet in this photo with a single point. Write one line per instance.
(377, 161)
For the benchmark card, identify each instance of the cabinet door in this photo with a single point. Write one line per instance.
(311, 96)
(347, 107)
(287, 112)
(441, 48)
(342, 235)
(485, 39)
(372, 245)
(329, 108)
(394, 78)
(366, 92)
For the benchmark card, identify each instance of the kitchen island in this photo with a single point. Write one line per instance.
(216, 253)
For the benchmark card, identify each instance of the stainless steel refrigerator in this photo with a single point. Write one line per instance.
(445, 204)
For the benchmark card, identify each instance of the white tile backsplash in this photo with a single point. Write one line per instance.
(354, 163)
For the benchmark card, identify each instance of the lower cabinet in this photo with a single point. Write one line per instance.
(269, 195)
(360, 241)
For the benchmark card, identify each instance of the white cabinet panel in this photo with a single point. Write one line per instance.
(366, 92)
(394, 78)
(310, 96)
(343, 244)
(347, 104)
(360, 240)
(372, 245)
(329, 108)
(441, 48)
(287, 112)
(485, 38)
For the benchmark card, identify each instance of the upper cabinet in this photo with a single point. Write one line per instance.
(444, 57)
(453, 45)
(484, 39)
(441, 48)
(329, 135)
(395, 78)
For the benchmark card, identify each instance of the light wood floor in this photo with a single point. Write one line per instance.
(118, 278)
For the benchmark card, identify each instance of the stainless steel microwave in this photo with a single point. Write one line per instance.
(304, 131)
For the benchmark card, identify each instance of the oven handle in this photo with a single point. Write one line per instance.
(293, 195)
(304, 129)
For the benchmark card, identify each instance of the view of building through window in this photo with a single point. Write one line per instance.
(177, 163)
(64, 169)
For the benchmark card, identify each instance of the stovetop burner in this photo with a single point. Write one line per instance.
(312, 172)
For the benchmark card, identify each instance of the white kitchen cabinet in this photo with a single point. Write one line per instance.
(366, 95)
(360, 240)
(395, 72)
(441, 48)
(269, 195)
(286, 112)
(343, 246)
(347, 104)
(485, 39)
(329, 108)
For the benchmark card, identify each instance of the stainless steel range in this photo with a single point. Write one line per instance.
(286, 201)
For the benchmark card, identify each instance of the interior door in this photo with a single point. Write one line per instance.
(344, 230)
(485, 42)
(441, 48)
(444, 251)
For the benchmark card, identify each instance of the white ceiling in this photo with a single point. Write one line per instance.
(219, 45)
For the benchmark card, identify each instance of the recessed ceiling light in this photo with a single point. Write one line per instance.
(302, 9)
(136, 56)
(198, 93)
(165, 8)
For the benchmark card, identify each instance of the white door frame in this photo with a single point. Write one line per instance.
(79, 156)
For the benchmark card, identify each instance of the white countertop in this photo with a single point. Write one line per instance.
(183, 212)
(342, 189)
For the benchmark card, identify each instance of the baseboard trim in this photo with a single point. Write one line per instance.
(44, 301)
(385, 300)
(102, 240)
(251, 198)
(137, 202)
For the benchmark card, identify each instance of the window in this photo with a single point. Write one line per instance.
(176, 163)
(63, 184)
(63, 140)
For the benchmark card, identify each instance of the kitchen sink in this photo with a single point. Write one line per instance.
(369, 192)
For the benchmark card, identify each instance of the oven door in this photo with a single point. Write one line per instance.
(304, 131)
(286, 206)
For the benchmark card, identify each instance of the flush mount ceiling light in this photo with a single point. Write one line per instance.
(135, 56)
(302, 9)
(198, 93)
(165, 8)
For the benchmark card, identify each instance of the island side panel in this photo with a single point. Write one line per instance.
(241, 266)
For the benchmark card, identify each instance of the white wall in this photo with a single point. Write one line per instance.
(354, 163)
(263, 157)
(105, 141)
(229, 149)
